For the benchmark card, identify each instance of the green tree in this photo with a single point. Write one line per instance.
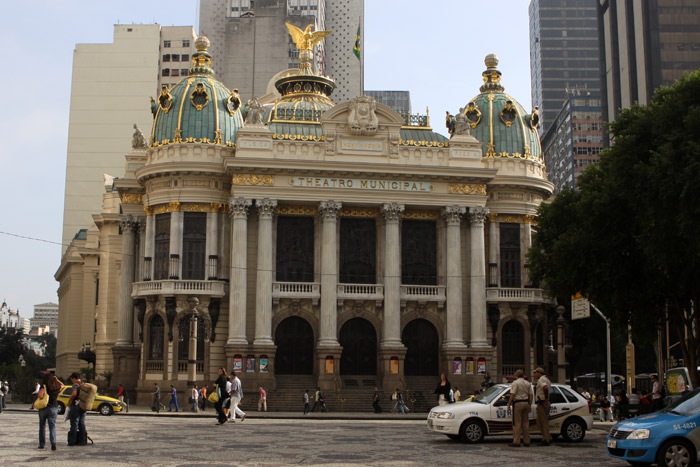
(629, 237)
(10, 346)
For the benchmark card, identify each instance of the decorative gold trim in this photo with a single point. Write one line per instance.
(217, 132)
(359, 212)
(233, 103)
(421, 214)
(529, 219)
(165, 96)
(216, 207)
(511, 218)
(148, 210)
(491, 151)
(467, 189)
(195, 207)
(252, 179)
(428, 144)
(472, 109)
(493, 217)
(199, 90)
(509, 113)
(298, 137)
(178, 130)
(296, 210)
(173, 206)
(131, 198)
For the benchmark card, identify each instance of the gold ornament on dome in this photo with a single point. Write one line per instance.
(509, 113)
(130, 198)
(165, 100)
(473, 114)
(252, 179)
(296, 210)
(199, 96)
(233, 103)
(467, 189)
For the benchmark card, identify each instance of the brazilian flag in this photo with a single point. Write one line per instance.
(356, 49)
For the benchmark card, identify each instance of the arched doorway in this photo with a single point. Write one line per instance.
(359, 341)
(294, 339)
(422, 348)
(513, 347)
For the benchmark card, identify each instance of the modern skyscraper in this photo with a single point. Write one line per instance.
(564, 53)
(646, 44)
(110, 84)
(400, 101)
(252, 44)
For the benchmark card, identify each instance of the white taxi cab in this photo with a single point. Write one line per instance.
(487, 414)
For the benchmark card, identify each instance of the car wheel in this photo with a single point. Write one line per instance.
(472, 431)
(573, 431)
(106, 409)
(61, 408)
(676, 452)
(453, 437)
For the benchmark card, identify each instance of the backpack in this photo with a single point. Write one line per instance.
(86, 396)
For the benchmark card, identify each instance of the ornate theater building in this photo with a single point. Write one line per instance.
(292, 239)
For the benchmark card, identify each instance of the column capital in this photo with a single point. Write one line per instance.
(129, 223)
(477, 215)
(266, 207)
(239, 207)
(392, 211)
(453, 214)
(329, 209)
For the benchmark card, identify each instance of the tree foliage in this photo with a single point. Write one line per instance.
(629, 237)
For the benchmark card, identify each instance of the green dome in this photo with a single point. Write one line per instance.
(198, 109)
(500, 123)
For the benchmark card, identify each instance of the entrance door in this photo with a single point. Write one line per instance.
(359, 341)
(422, 348)
(294, 339)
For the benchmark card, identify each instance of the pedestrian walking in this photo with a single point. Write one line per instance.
(120, 395)
(236, 396)
(156, 398)
(306, 402)
(657, 397)
(3, 392)
(37, 386)
(51, 386)
(173, 399)
(375, 401)
(520, 400)
(398, 404)
(262, 402)
(76, 415)
(543, 405)
(220, 388)
(203, 397)
(317, 398)
(195, 399)
(443, 390)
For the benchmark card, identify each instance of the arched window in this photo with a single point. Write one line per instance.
(156, 333)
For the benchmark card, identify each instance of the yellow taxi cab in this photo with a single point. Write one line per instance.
(103, 404)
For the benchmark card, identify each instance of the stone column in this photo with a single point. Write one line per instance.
(328, 336)
(477, 215)
(263, 294)
(493, 279)
(391, 321)
(453, 322)
(125, 336)
(239, 242)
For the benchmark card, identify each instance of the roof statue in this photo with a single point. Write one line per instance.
(305, 41)
(138, 141)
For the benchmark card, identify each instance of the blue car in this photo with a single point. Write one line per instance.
(669, 437)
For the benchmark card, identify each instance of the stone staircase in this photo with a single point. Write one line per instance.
(355, 395)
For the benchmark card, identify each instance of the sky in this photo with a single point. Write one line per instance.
(434, 49)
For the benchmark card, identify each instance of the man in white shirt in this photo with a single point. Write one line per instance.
(236, 396)
(195, 399)
(521, 401)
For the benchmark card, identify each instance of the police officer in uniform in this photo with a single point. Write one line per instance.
(542, 401)
(521, 401)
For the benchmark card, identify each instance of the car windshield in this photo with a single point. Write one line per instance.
(689, 404)
(489, 395)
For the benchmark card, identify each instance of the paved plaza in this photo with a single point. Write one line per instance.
(170, 439)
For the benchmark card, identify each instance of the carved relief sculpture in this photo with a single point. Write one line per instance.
(392, 211)
(362, 119)
(138, 141)
(478, 214)
(255, 113)
(453, 214)
(329, 209)
(239, 207)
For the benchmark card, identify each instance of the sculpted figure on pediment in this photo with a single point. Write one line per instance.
(362, 119)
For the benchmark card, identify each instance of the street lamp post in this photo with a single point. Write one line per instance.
(607, 345)
(192, 350)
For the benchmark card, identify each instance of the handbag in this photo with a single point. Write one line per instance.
(213, 397)
(42, 402)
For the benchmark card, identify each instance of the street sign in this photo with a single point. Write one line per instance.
(580, 307)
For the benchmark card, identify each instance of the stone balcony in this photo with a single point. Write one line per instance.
(361, 292)
(296, 291)
(516, 294)
(423, 294)
(169, 287)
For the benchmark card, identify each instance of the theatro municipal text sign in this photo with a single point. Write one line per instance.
(360, 184)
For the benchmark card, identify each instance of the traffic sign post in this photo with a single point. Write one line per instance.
(581, 308)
